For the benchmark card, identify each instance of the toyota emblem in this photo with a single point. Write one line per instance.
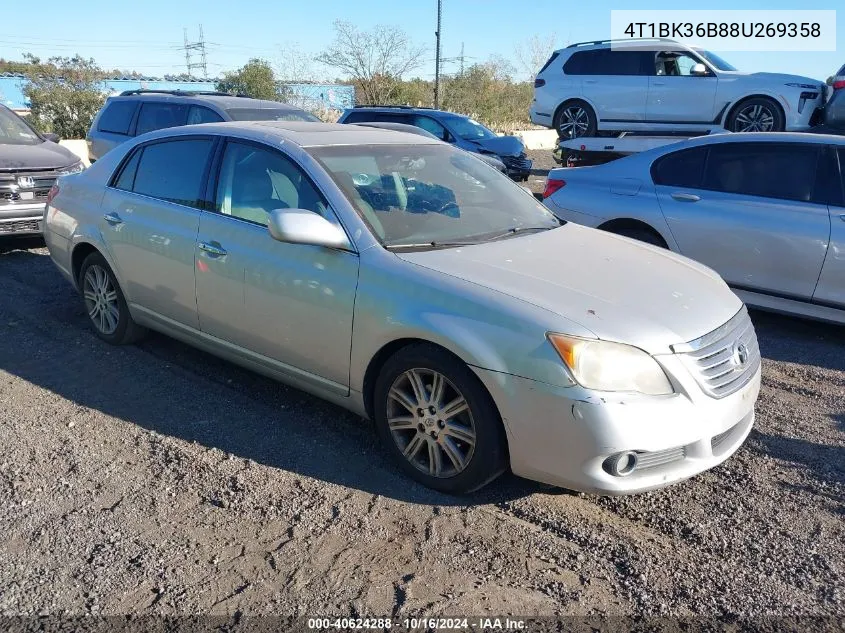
(740, 355)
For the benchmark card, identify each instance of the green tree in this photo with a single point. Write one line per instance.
(64, 94)
(256, 79)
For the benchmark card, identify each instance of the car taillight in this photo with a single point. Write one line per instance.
(552, 185)
(838, 84)
(54, 191)
(539, 83)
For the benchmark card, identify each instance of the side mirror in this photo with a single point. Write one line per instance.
(698, 70)
(300, 226)
(50, 136)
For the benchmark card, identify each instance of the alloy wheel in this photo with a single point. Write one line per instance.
(101, 299)
(574, 122)
(754, 118)
(431, 422)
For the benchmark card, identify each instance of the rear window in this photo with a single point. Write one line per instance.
(608, 62)
(117, 116)
(554, 56)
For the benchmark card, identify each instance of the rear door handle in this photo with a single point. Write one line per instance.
(213, 248)
(658, 83)
(686, 197)
(112, 218)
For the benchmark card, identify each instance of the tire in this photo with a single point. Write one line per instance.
(580, 118)
(105, 304)
(758, 114)
(469, 447)
(641, 235)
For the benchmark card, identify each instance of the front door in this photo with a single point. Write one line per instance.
(678, 97)
(291, 303)
(149, 221)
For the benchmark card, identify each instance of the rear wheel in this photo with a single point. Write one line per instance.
(105, 303)
(575, 119)
(759, 114)
(437, 420)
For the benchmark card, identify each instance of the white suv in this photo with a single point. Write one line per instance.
(665, 86)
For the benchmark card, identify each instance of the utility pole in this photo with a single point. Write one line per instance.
(462, 59)
(196, 46)
(437, 57)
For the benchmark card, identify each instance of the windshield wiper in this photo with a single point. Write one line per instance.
(432, 244)
(518, 229)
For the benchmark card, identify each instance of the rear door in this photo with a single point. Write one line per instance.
(156, 115)
(614, 82)
(676, 96)
(748, 211)
(831, 286)
(112, 127)
(150, 221)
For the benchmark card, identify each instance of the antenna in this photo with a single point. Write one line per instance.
(196, 46)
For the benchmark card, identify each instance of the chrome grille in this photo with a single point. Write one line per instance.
(655, 459)
(516, 162)
(724, 360)
(19, 226)
(11, 189)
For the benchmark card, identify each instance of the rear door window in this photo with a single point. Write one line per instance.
(608, 62)
(117, 116)
(200, 114)
(173, 170)
(430, 125)
(784, 171)
(156, 116)
(680, 169)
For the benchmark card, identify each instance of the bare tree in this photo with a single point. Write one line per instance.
(296, 66)
(375, 60)
(532, 53)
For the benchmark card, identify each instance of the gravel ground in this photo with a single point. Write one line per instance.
(543, 162)
(156, 479)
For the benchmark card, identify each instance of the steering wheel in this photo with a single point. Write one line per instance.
(362, 180)
(450, 209)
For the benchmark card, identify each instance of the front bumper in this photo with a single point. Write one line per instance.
(21, 219)
(562, 436)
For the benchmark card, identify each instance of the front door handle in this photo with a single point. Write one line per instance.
(686, 197)
(213, 248)
(658, 83)
(112, 218)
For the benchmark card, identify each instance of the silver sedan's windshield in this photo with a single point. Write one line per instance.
(431, 195)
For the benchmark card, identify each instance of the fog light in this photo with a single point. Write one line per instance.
(621, 464)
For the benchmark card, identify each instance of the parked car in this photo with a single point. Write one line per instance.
(485, 332)
(30, 162)
(491, 160)
(834, 116)
(664, 86)
(135, 112)
(450, 127)
(764, 210)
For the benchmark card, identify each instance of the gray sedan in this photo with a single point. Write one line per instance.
(404, 280)
(765, 210)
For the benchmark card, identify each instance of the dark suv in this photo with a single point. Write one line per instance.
(29, 165)
(135, 112)
(457, 129)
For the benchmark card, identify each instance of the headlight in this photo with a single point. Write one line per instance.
(805, 86)
(71, 169)
(608, 366)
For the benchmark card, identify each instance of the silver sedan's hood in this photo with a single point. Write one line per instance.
(619, 289)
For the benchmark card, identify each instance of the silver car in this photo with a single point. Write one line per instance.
(764, 210)
(406, 281)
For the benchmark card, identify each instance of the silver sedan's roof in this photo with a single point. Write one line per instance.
(305, 133)
(746, 137)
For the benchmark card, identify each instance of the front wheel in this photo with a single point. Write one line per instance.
(437, 420)
(756, 115)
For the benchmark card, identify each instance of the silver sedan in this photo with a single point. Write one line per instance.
(416, 286)
(765, 210)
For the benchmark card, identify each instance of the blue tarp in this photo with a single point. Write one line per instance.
(311, 96)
